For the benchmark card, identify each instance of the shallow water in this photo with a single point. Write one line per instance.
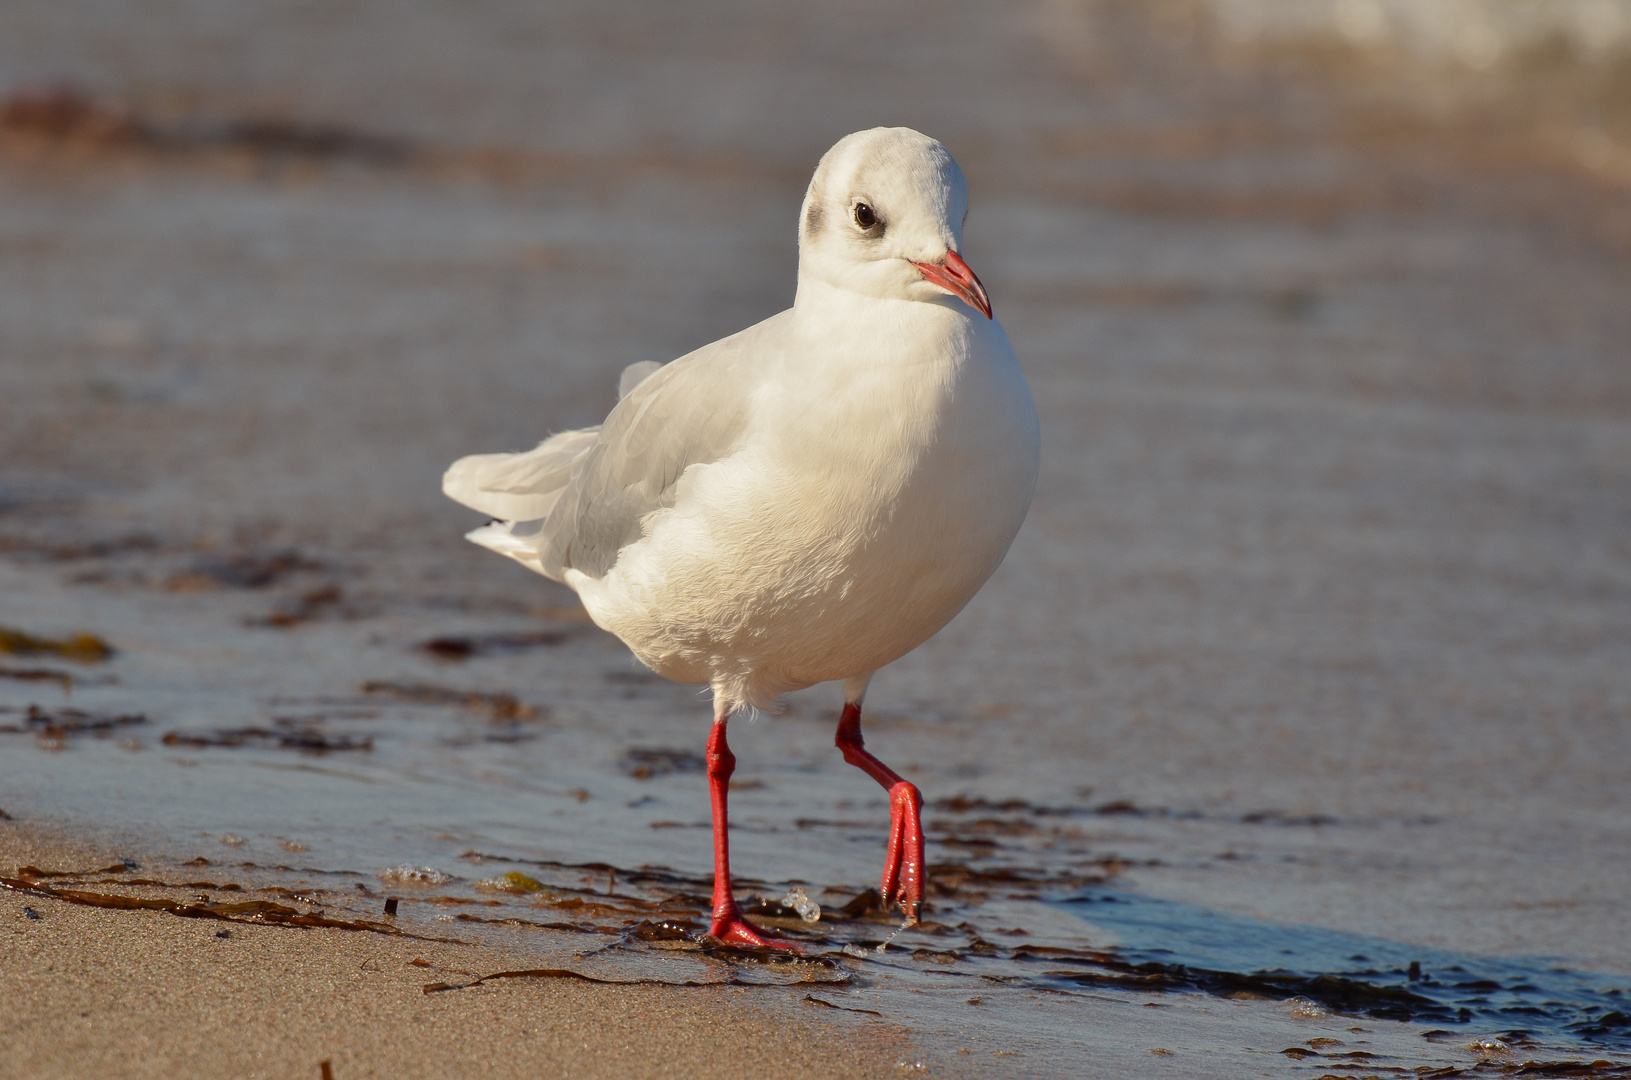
(576, 833)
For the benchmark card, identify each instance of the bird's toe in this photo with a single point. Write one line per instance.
(740, 932)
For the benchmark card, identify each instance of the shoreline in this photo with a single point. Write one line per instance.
(95, 991)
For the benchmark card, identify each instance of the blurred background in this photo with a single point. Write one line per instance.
(1326, 305)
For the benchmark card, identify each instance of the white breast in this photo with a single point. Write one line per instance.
(890, 463)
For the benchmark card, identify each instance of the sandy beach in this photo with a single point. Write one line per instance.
(145, 994)
(1290, 739)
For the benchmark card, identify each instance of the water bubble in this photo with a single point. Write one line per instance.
(231, 840)
(858, 951)
(1489, 1047)
(512, 882)
(1307, 1009)
(808, 909)
(407, 874)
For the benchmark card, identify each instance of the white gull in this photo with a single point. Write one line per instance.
(809, 499)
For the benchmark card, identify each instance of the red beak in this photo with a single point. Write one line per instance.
(956, 278)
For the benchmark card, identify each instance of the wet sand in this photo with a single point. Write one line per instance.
(1317, 632)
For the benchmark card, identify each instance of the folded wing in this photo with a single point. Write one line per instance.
(592, 488)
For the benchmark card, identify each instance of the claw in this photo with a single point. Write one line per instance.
(735, 930)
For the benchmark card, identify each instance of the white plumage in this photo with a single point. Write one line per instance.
(815, 496)
(809, 499)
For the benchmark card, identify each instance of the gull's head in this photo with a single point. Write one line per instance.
(884, 218)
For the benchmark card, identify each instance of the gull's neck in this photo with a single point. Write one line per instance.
(820, 301)
(825, 308)
(851, 331)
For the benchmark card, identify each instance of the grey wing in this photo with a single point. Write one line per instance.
(690, 412)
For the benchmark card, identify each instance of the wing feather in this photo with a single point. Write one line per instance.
(518, 487)
(690, 412)
(526, 486)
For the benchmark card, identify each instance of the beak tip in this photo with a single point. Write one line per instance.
(957, 278)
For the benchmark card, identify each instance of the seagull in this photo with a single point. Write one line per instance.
(806, 500)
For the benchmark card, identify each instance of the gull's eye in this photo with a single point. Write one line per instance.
(864, 217)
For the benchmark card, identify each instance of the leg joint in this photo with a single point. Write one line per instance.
(848, 739)
(854, 755)
(721, 763)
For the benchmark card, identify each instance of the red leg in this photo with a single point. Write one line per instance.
(904, 866)
(728, 925)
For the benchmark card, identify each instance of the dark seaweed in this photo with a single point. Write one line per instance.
(309, 605)
(298, 738)
(645, 762)
(55, 550)
(1180, 947)
(498, 706)
(55, 727)
(80, 648)
(1539, 1070)
(561, 973)
(61, 678)
(813, 1000)
(66, 115)
(1334, 992)
(465, 647)
(291, 139)
(243, 570)
(251, 911)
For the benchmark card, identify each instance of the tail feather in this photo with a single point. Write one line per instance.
(519, 488)
(500, 536)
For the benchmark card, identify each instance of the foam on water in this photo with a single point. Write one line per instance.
(1478, 33)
